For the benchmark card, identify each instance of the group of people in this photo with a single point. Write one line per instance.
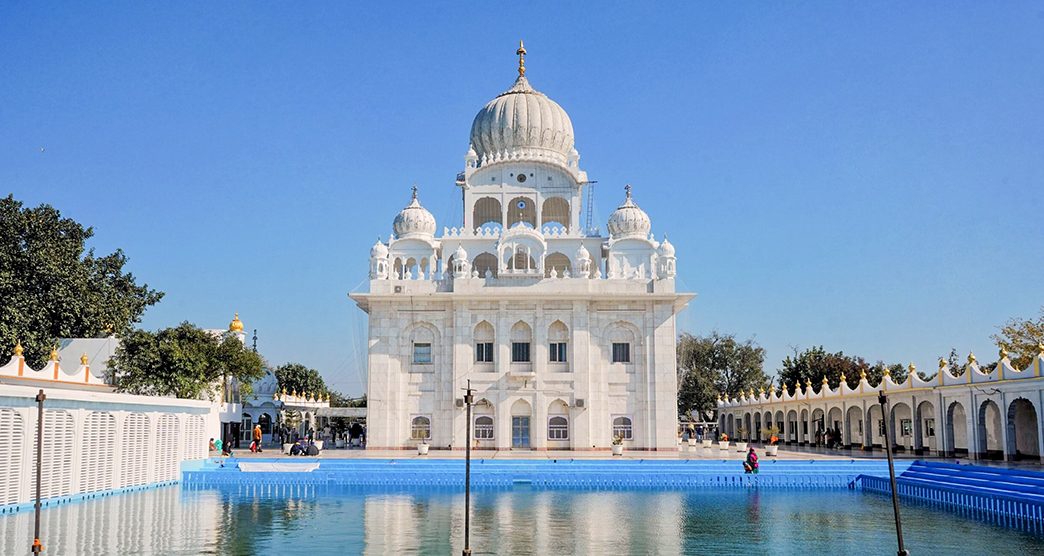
(831, 438)
(218, 445)
(300, 448)
(696, 431)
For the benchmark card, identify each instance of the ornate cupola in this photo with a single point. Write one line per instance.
(461, 265)
(583, 263)
(414, 220)
(236, 325)
(523, 124)
(629, 221)
(666, 262)
(379, 260)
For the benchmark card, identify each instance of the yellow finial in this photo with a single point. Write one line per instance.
(824, 379)
(761, 391)
(913, 368)
(236, 325)
(887, 371)
(942, 362)
(54, 353)
(521, 59)
(293, 393)
(83, 359)
(18, 349)
(1003, 353)
(1040, 347)
(971, 358)
(808, 382)
(842, 377)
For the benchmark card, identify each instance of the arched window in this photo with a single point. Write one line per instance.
(521, 337)
(265, 420)
(487, 210)
(621, 340)
(558, 345)
(484, 427)
(558, 428)
(420, 428)
(521, 209)
(622, 427)
(484, 342)
(557, 262)
(555, 211)
(485, 262)
(521, 260)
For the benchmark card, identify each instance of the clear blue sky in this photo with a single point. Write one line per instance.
(869, 178)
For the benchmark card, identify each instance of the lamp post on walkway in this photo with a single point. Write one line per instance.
(37, 547)
(883, 400)
(469, 398)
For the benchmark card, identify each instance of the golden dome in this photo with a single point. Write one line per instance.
(236, 325)
(83, 359)
(18, 349)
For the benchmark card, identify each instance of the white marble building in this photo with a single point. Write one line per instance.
(567, 336)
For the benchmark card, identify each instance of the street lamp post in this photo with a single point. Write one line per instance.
(37, 547)
(469, 398)
(883, 400)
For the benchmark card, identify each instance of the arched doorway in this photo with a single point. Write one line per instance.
(854, 427)
(956, 430)
(874, 427)
(818, 427)
(924, 429)
(1022, 430)
(803, 428)
(792, 426)
(265, 420)
(746, 427)
(990, 446)
(901, 423)
(521, 415)
(756, 435)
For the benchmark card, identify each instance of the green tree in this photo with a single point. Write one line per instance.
(338, 399)
(715, 364)
(1023, 339)
(52, 288)
(183, 361)
(812, 364)
(296, 377)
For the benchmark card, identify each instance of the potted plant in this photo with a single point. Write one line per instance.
(617, 445)
(692, 435)
(422, 448)
(741, 446)
(772, 448)
(723, 442)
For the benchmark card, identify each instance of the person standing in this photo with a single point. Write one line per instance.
(257, 436)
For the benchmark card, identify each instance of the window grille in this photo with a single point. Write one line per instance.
(520, 352)
(558, 428)
(483, 427)
(135, 455)
(622, 427)
(12, 436)
(558, 352)
(96, 459)
(484, 352)
(422, 354)
(621, 352)
(420, 428)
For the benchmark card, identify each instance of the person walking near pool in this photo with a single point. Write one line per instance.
(257, 436)
(751, 465)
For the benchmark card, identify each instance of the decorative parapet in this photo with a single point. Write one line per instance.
(973, 374)
(52, 371)
(304, 399)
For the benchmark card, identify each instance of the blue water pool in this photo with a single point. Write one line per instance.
(259, 515)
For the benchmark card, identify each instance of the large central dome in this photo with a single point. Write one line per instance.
(522, 123)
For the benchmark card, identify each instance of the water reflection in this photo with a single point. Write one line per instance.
(267, 519)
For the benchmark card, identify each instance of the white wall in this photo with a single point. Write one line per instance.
(96, 441)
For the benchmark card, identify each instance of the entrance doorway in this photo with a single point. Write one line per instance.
(520, 432)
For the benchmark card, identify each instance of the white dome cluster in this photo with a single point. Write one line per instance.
(522, 122)
(414, 220)
(266, 385)
(629, 221)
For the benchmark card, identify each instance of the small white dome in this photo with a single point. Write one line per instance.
(666, 249)
(414, 219)
(266, 385)
(379, 250)
(628, 220)
(582, 254)
(522, 122)
(460, 254)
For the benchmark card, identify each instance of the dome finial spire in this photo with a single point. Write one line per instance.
(627, 188)
(414, 190)
(521, 58)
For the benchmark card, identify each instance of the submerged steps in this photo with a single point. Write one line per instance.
(1011, 496)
